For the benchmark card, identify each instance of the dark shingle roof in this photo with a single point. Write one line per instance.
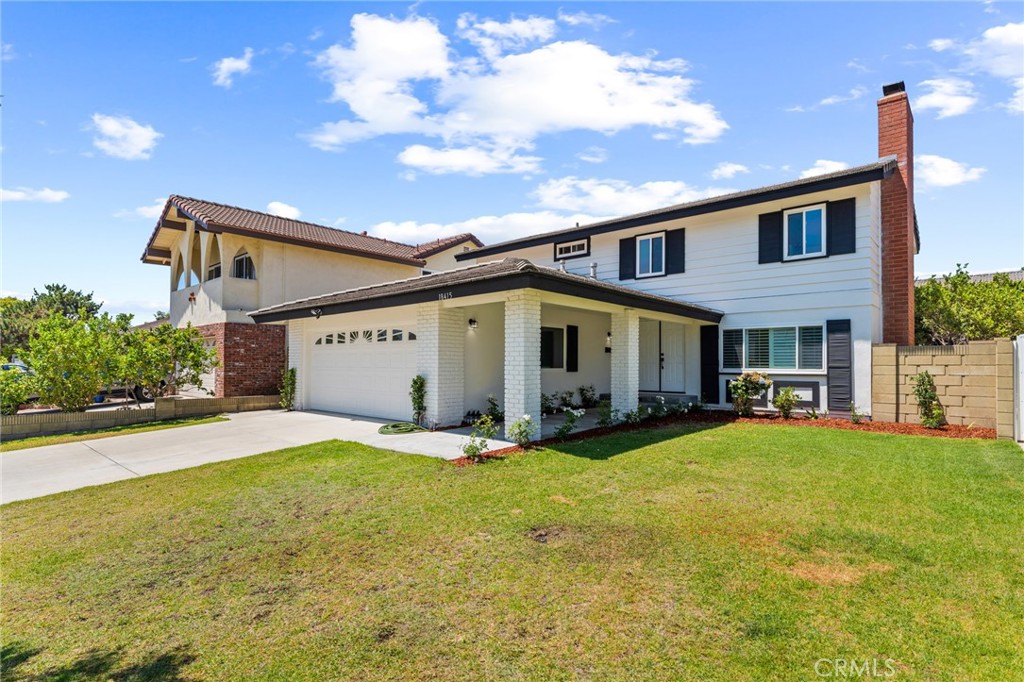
(490, 277)
(1014, 275)
(223, 217)
(843, 178)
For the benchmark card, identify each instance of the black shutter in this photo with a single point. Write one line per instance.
(709, 363)
(769, 237)
(572, 348)
(675, 251)
(840, 364)
(841, 226)
(627, 258)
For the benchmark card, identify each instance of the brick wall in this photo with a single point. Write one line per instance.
(522, 357)
(974, 383)
(251, 356)
(896, 138)
(440, 339)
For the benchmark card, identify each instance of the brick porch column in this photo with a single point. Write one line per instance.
(440, 357)
(522, 357)
(625, 360)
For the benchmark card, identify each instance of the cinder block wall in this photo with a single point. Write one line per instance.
(974, 383)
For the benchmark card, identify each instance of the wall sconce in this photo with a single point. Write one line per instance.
(192, 298)
(316, 312)
(608, 343)
(472, 323)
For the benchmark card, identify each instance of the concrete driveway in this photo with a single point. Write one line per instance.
(55, 468)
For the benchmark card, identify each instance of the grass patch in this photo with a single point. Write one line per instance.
(40, 441)
(717, 553)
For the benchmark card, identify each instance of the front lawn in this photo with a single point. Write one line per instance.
(733, 552)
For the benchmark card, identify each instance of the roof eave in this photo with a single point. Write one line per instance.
(877, 172)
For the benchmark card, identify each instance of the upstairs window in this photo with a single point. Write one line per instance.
(650, 255)
(804, 232)
(580, 247)
(213, 272)
(243, 267)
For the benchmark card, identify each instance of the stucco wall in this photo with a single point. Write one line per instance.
(974, 383)
(595, 364)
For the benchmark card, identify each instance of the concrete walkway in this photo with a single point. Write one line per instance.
(55, 468)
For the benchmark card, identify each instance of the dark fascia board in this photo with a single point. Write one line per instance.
(218, 228)
(521, 280)
(172, 224)
(725, 204)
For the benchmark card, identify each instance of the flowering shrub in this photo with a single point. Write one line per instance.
(483, 430)
(571, 417)
(521, 430)
(747, 388)
(634, 416)
(566, 399)
(588, 396)
(547, 403)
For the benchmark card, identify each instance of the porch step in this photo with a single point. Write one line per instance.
(649, 398)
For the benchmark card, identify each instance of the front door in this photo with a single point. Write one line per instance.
(661, 356)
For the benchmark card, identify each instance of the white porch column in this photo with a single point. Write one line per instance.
(625, 360)
(297, 360)
(440, 343)
(522, 357)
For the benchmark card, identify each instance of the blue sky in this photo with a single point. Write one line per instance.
(415, 121)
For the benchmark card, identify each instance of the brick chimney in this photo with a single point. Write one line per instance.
(899, 244)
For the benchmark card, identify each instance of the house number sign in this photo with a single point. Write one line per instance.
(444, 295)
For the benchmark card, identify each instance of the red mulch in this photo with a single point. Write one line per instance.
(723, 417)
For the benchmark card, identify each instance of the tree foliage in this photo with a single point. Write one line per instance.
(19, 317)
(162, 358)
(956, 310)
(70, 360)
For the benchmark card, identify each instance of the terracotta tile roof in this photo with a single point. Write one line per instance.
(519, 272)
(430, 248)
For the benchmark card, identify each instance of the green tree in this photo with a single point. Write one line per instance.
(956, 309)
(19, 317)
(162, 358)
(69, 360)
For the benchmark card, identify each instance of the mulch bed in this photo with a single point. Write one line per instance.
(724, 417)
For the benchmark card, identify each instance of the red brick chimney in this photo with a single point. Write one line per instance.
(899, 243)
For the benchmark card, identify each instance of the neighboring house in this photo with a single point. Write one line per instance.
(227, 261)
(1012, 275)
(797, 279)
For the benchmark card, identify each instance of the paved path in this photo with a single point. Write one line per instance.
(55, 468)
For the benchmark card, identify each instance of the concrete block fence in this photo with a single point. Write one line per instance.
(54, 423)
(974, 383)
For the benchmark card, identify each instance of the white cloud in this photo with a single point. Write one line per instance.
(123, 138)
(617, 197)
(727, 169)
(593, 154)
(854, 94)
(998, 52)
(486, 110)
(489, 228)
(950, 96)
(937, 171)
(279, 208)
(316, 34)
(492, 38)
(595, 21)
(857, 65)
(225, 70)
(823, 166)
(152, 211)
(45, 195)
(8, 52)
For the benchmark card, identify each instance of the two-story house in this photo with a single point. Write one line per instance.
(796, 279)
(226, 262)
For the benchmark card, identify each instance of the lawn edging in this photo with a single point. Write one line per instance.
(56, 423)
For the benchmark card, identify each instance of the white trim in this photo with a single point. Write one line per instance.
(775, 370)
(649, 237)
(824, 232)
(572, 252)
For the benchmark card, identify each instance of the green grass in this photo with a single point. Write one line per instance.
(40, 441)
(736, 552)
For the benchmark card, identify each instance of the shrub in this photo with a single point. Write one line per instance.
(566, 398)
(572, 416)
(812, 413)
(288, 389)
(14, 389)
(634, 416)
(588, 396)
(547, 403)
(418, 395)
(69, 358)
(659, 409)
(483, 430)
(785, 400)
(856, 416)
(606, 416)
(932, 415)
(522, 430)
(496, 414)
(747, 388)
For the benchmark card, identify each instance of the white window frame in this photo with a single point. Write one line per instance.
(775, 370)
(824, 232)
(573, 249)
(209, 271)
(239, 257)
(650, 237)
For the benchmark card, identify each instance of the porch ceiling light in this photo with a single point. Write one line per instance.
(472, 323)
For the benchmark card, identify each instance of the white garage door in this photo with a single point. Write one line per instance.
(364, 371)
